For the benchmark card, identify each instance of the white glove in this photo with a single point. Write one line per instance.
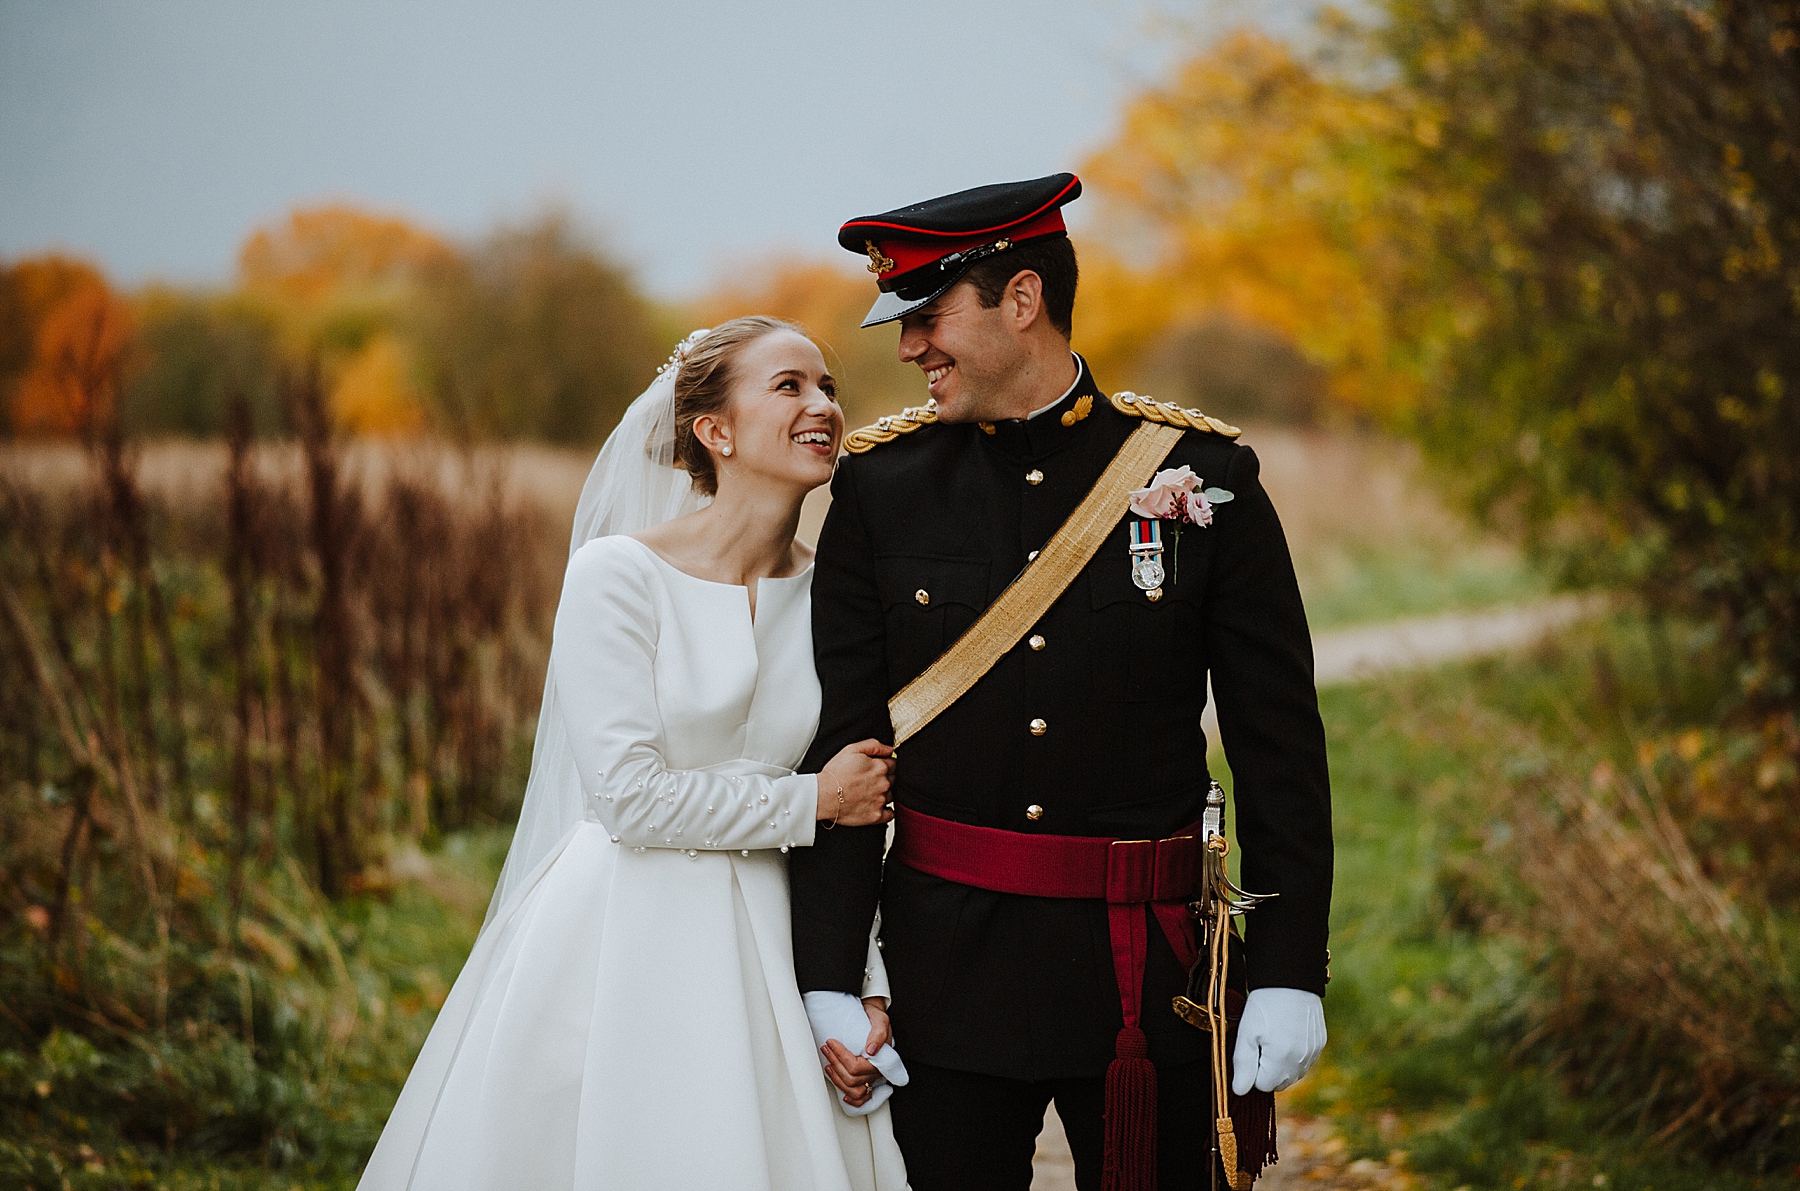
(841, 1016)
(1279, 1038)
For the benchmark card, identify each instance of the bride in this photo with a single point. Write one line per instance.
(628, 1017)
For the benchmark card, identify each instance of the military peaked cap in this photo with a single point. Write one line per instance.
(918, 252)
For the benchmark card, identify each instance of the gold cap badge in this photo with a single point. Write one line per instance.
(878, 264)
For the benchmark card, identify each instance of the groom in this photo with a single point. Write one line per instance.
(1023, 968)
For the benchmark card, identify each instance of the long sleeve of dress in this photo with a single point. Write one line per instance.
(602, 656)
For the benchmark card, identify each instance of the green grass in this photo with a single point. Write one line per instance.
(331, 1055)
(1428, 1005)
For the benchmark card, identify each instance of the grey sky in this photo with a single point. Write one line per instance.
(152, 135)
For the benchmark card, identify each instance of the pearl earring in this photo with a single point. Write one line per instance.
(725, 450)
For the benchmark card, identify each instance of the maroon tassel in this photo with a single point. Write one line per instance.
(1253, 1121)
(1130, 1162)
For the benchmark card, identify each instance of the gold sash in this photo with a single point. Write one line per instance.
(1028, 597)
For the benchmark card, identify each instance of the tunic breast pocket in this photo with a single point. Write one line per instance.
(928, 603)
(1140, 649)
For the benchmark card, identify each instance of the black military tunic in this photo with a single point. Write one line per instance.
(1089, 726)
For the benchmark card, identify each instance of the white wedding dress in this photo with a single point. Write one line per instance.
(629, 1018)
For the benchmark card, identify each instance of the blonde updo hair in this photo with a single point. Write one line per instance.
(703, 383)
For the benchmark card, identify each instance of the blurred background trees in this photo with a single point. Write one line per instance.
(535, 333)
(1556, 241)
(532, 332)
(1624, 246)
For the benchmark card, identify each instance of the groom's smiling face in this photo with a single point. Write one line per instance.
(968, 352)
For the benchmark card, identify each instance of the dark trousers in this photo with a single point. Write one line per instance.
(962, 1131)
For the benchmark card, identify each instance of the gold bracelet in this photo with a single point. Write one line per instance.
(840, 810)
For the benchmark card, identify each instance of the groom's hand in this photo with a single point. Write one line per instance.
(1279, 1037)
(851, 1074)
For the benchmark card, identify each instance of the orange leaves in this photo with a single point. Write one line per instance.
(339, 282)
(317, 253)
(1252, 186)
(338, 285)
(80, 334)
(1120, 313)
(374, 392)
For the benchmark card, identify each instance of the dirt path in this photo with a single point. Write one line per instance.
(1353, 654)
(1362, 652)
(1312, 1159)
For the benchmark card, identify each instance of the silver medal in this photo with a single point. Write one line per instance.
(1146, 555)
(1147, 570)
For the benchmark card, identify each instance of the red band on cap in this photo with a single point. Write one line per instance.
(908, 255)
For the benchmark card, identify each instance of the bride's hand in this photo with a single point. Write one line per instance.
(852, 1074)
(853, 786)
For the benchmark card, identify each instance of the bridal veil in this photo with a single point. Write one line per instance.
(633, 485)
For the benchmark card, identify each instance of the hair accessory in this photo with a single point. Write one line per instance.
(679, 356)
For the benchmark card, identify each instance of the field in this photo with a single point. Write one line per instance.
(1433, 1077)
(1370, 539)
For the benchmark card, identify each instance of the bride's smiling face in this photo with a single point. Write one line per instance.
(783, 423)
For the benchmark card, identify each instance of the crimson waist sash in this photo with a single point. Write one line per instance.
(1127, 875)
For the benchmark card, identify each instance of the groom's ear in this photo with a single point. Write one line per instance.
(1023, 300)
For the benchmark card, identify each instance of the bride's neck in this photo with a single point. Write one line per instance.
(747, 533)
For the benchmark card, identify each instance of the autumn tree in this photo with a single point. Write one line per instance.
(1614, 192)
(315, 254)
(1252, 185)
(339, 283)
(81, 334)
(536, 332)
(1558, 240)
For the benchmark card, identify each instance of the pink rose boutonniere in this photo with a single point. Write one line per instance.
(1175, 494)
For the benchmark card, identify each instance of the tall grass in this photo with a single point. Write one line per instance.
(223, 713)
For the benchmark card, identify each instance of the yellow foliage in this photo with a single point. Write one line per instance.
(317, 253)
(1246, 187)
(373, 391)
(1119, 313)
(337, 282)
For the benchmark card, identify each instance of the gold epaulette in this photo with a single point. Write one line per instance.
(1170, 414)
(891, 427)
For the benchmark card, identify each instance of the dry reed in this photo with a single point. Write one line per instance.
(1672, 997)
(293, 663)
